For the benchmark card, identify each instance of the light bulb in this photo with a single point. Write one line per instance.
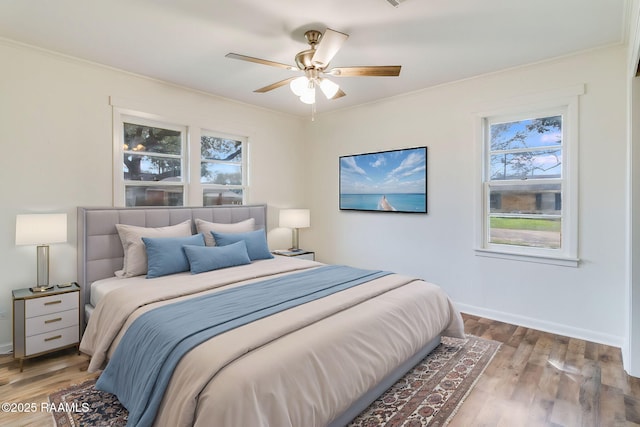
(329, 88)
(299, 85)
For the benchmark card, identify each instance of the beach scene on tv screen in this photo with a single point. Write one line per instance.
(385, 181)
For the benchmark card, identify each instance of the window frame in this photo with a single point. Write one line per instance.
(545, 105)
(193, 189)
(243, 164)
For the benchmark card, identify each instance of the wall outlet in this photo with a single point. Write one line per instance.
(3, 314)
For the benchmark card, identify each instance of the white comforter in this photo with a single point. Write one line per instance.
(300, 367)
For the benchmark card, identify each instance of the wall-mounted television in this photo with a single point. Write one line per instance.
(385, 181)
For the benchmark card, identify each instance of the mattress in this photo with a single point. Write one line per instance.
(100, 288)
(303, 366)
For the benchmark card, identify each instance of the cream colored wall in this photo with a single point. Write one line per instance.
(588, 301)
(56, 150)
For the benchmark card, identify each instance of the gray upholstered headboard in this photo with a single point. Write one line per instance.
(100, 250)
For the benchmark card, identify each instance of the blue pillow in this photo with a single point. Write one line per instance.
(210, 258)
(256, 242)
(166, 256)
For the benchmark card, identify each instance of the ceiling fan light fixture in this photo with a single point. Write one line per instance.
(309, 97)
(329, 88)
(314, 63)
(300, 85)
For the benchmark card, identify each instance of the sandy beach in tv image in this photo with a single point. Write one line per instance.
(394, 181)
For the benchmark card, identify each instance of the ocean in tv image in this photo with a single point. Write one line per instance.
(376, 202)
(385, 181)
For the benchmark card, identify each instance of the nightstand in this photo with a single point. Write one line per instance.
(45, 321)
(302, 254)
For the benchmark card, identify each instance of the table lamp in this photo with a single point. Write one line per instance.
(41, 230)
(295, 219)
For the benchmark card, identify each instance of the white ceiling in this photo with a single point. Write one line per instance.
(435, 41)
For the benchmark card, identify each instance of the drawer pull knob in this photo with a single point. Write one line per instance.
(57, 319)
(53, 302)
(57, 337)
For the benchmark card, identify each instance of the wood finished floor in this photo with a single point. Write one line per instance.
(542, 379)
(535, 379)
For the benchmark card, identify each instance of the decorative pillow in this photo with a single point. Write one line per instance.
(166, 256)
(208, 258)
(135, 257)
(256, 242)
(206, 227)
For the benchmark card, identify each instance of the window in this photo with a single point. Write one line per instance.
(153, 157)
(528, 185)
(222, 171)
(525, 172)
(156, 163)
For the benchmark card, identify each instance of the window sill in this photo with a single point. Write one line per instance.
(541, 259)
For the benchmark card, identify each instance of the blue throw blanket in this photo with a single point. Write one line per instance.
(142, 365)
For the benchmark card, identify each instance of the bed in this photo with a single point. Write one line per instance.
(315, 364)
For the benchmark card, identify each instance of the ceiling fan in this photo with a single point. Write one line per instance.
(314, 62)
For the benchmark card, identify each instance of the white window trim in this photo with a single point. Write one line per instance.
(120, 116)
(192, 187)
(244, 164)
(566, 100)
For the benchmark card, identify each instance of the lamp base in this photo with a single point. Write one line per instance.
(41, 288)
(294, 241)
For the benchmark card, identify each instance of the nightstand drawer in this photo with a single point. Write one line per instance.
(51, 304)
(45, 342)
(51, 322)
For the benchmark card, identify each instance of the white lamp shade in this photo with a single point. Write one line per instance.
(36, 229)
(295, 218)
(309, 97)
(329, 88)
(299, 85)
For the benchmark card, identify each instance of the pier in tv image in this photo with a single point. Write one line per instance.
(385, 181)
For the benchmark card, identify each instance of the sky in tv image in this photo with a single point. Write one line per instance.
(390, 180)
(401, 171)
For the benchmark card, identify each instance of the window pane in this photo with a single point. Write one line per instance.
(530, 133)
(542, 199)
(152, 139)
(154, 195)
(211, 197)
(528, 200)
(138, 167)
(221, 173)
(527, 164)
(531, 232)
(213, 148)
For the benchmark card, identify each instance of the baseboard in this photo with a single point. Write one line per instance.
(6, 348)
(543, 325)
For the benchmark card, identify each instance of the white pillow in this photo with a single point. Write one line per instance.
(206, 227)
(135, 255)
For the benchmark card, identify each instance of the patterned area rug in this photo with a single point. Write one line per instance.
(429, 395)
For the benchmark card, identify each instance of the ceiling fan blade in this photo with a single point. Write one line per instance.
(260, 61)
(377, 71)
(275, 85)
(339, 94)
(329, 45)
